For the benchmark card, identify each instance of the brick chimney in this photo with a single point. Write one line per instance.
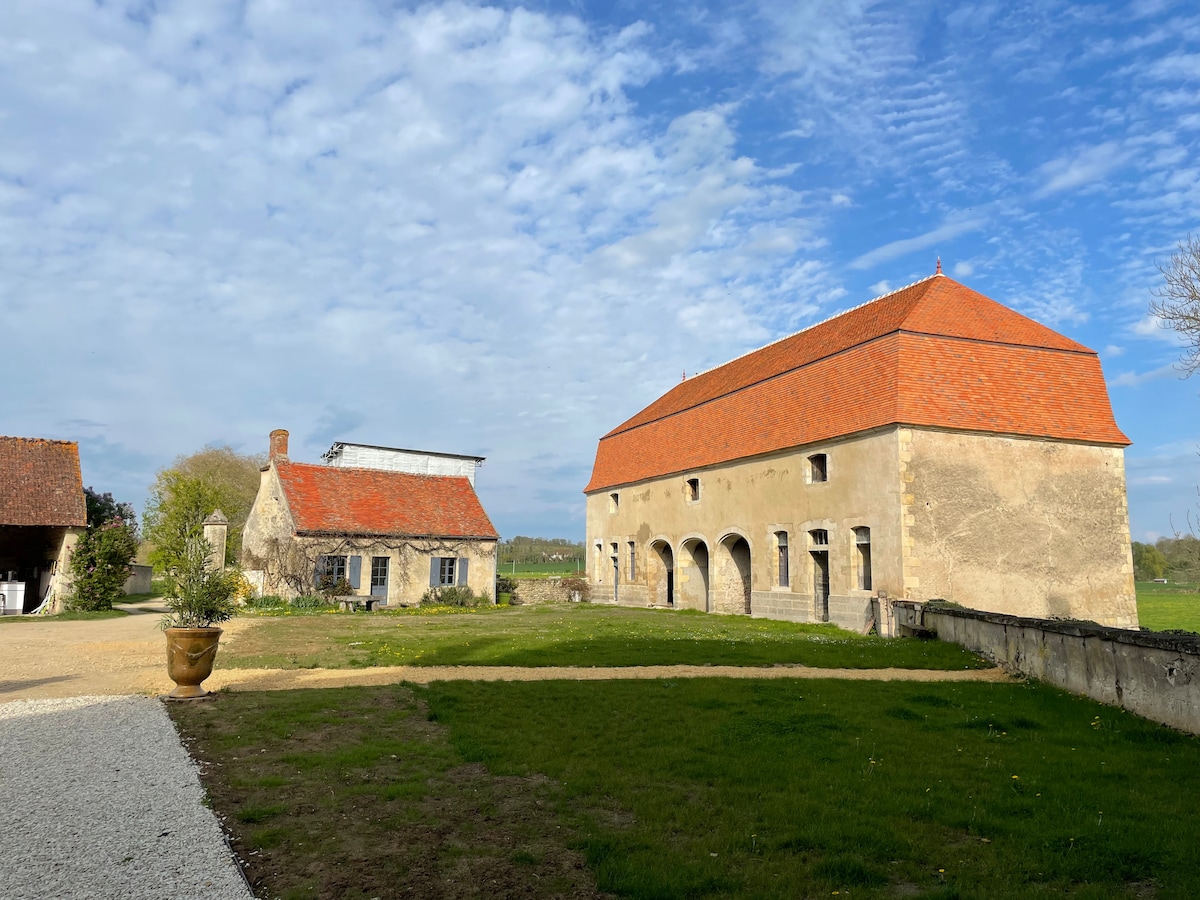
(279, 445)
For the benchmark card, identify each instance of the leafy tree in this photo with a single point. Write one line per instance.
(103, 508)
(1177, 303)
(1148, 562)
(100, 563)
(187, 492)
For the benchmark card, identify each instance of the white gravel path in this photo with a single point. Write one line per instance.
(99, 799)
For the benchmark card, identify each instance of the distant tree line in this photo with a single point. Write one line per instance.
(1177, 558)
(523, 550)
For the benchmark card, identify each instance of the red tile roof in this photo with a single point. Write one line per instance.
(935, 353)
(334, 500)
(40, 483)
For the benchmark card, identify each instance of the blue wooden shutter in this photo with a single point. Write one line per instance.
(319, 570)
(355, 571)
(434, 571)
(462, 571)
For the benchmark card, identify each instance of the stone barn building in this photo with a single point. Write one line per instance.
(929, 444)
(42, 514)
(392, 522)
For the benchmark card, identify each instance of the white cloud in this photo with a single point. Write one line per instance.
(963, 269)
(1113, 350)
(410, 227)
(1081, 168)
(880, 287)
(1136, 379)
(903, 247)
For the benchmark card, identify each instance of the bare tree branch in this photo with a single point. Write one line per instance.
(1178, 301)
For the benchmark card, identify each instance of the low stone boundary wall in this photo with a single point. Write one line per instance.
(536, 591)
(139, 581)
(1154, 675)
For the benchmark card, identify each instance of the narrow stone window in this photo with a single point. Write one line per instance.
(632, 561)
(781, 541)
(693, 490)
(862, 542)
(818, 468)
(614, 501)
(819, 537)
(599, 558)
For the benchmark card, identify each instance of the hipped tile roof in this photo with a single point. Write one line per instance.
(40, 483)
(935, 353)
(334, 500)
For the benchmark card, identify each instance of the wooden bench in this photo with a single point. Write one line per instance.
(349, 604)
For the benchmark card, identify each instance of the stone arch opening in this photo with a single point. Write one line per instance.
(733, 575)
(660, 573)
(692, 588)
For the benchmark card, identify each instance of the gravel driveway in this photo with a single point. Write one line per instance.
(99, 799)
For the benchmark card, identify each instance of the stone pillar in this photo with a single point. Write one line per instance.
(216, 530)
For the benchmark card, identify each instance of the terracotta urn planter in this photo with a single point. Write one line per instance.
(190, 656)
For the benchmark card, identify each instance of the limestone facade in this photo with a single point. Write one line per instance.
(931, 444)
(391, 535)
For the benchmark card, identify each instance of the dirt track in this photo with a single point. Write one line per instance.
(128, 656)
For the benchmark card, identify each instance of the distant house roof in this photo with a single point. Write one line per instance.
(40, 483)
(331, 500)
(935, 353)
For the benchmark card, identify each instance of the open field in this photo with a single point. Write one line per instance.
(704, 788)
(1166, 607)
(568, 635)
(540, 570)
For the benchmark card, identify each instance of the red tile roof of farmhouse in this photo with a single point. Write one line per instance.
(935, 353)
(332, 500)
(40, 483)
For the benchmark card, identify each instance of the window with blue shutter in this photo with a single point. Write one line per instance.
(355, 571)
(435, 571)
(462, 571)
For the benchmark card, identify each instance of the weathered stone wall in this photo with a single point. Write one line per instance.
(1156, 676)
(139, 581)
(1017, 525)
(753, 500)
(536, 591)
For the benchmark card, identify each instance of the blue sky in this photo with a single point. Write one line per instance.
(502, 230)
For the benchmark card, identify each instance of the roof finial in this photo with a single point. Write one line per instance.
(939, 267)
(684, 378)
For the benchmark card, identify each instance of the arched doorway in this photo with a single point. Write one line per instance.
(733, 575)
(693, 576)
(661, 574)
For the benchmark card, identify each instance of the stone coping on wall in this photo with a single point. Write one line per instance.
(1179, 642)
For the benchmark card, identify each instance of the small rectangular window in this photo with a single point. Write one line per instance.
(693, 489)
(614, 501)
(862, 542)
(819, 537)
(329, 570)
(781, 541)
(818, 468)
(446, 570)
(632, 561)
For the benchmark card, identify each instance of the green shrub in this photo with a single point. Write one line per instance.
(460, 595)
(270, 601)
(310, 601)
(200, 596)
(506, 585)
(100, 564)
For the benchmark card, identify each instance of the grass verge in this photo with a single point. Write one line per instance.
(568, 635)
(68, 616)
(1168, 607)
(702, 788)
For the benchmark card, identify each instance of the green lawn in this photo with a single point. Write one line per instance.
(1168, 607)
(701, 788)
(567, 635)
(540, 570)
(69, 616)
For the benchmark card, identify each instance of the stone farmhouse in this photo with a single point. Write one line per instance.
(42, 514)
(930, 444)
(392, 522)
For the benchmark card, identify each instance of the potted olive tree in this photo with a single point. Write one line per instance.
(201, 596)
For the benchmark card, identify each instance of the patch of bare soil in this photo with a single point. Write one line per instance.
(373, 802)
